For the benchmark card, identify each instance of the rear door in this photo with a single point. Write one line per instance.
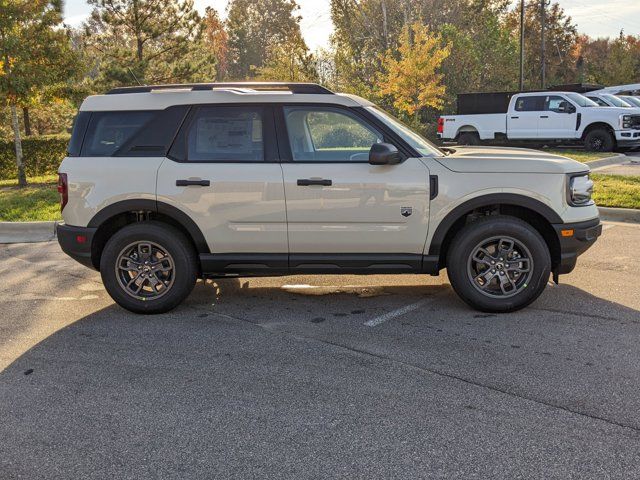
(342, 211)
(522, 122)
(554, 122)
(223, 172)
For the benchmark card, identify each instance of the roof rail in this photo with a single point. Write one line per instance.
(292, 87)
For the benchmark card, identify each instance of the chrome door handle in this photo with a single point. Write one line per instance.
(188, 183)
(305, 182)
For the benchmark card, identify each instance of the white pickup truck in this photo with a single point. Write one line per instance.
(563, 117)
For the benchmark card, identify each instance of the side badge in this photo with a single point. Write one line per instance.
(406, 211)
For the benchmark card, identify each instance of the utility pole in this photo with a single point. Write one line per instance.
(521, 45)
(543, 67)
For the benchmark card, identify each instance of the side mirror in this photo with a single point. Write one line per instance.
(566, 107)
(383, 154)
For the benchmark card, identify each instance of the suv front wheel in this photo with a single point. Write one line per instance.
(148, 267)
(498, 264)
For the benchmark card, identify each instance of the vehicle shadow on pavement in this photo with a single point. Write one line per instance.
(243, 372)
(239, 375)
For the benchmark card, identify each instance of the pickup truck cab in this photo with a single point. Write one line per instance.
(535, 117)
(166, 184)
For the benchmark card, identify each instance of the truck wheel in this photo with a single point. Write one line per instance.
(468, 138)
(148, 267)
(498, 264)
(599, 140)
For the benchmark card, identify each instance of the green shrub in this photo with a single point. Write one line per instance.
(42, 155)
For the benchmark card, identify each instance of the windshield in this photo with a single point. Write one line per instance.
(415, 140)
(633, 101)
(581, 100)
(615, 101)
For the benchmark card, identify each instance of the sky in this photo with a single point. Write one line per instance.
(593, 17)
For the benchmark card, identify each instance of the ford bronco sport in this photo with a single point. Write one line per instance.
(166, 184)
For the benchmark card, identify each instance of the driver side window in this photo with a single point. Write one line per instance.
(325, 134)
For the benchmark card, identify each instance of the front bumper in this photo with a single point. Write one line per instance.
(575, 239)
(628, 138)
(76, 242)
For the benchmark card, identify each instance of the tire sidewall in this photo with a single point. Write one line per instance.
(471, 235)
(607, 140)
(170, 239)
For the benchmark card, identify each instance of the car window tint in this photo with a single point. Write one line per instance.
(530, 104)
(232, 134)
(108, 131)
(318, 134)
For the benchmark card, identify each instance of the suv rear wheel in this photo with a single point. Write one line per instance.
(148, 267)
(498, 264)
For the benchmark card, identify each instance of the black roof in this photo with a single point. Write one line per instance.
(295, 87)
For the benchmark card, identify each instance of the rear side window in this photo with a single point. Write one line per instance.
(530, 104)
(226, 134)
(79, 128)
(108, 131)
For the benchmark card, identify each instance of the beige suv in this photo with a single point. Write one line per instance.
(166, 184)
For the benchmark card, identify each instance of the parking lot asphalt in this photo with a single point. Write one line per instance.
(320, 377)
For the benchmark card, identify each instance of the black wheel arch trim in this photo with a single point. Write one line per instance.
(176, 214)
(484, 201)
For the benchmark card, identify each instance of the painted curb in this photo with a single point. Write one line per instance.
(27, 232)
(626, 215)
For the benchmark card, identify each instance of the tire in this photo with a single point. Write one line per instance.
(171, 266)
(468, 138)
(463, 269)
(599, 140)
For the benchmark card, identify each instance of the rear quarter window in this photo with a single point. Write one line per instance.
(108, 131)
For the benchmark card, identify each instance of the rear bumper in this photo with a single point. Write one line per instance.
(573, 245)
(76, 242)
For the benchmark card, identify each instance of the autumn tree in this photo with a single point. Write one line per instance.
(216, 40)
(561, 36)
(147, 41)
(258, 31)
(35, 53)
(411, 75)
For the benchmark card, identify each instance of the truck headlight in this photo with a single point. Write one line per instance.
(625, 121)
(580, 190)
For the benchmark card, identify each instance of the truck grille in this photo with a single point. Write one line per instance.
(635, 122)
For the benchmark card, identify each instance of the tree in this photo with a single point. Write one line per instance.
(148, 41)
(411, 76)
(289, 62)
(217, 41)
(34, 53)
(561, 36)
(257, 31)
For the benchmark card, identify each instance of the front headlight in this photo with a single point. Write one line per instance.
(625, 121)
(580, 190)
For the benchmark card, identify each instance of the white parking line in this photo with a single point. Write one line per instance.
(394, 313)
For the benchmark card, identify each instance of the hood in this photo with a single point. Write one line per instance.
(620, 110)
(508, 160)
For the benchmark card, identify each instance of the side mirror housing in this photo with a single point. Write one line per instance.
(566, 107)
(383, 154)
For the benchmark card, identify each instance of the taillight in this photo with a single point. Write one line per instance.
(63, 189)
(440, 125)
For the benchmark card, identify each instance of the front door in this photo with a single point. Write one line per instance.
(223, 172)
(342, 211)
(554, 121)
